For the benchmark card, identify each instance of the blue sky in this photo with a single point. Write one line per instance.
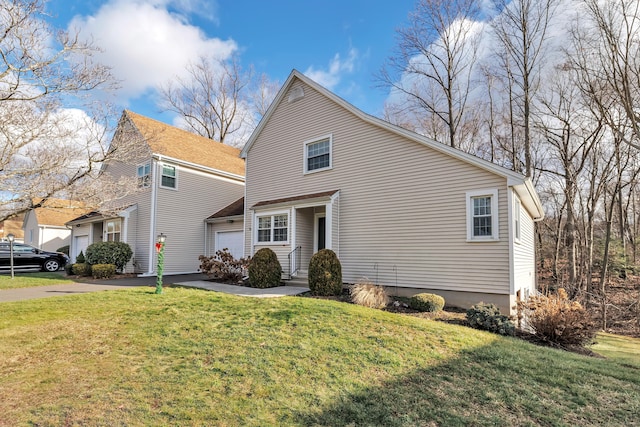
(339, 43)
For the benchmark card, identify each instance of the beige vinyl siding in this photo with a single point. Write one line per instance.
(305, 219)
(139, 230)
(524, 255)
(401, 210)
(181, 213)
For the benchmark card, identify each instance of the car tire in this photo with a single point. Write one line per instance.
(51, 265)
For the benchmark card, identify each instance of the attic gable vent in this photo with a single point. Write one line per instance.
(296, 93)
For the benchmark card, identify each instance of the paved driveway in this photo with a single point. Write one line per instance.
(188, 280)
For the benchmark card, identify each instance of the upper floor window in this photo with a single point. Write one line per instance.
(317, 154)
(482, 215)
(144, 175)
(273, 228)
(168, 178)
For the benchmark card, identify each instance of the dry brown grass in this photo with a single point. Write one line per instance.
(369, 295)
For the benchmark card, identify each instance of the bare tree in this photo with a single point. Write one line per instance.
(521, 29)
(212, 98)
(607, 54)
(435, 58)
(47, 150)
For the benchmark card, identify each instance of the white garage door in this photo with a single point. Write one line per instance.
(80, 244)
(231, 240)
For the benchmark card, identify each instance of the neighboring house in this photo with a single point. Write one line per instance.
(44, 227)
(182, 178)
(399, 209)
(12, 226)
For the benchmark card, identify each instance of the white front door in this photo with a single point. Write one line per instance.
(232, 240)
(80, 243)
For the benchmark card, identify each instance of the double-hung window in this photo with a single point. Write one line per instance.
(112, 230)
(273, 228)
(317, 154)
(482, 215)
(144, 175)
(168, 177)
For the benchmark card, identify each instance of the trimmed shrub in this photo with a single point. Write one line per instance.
(369, 295)
(64, 250)
(488, 317)
(80, 259)
(264, 269)
(224, 266)
(68, 269)
(116, 253)
(426, 302)
(558, 320)
(103, 271)
(325, 273)
(81, 269)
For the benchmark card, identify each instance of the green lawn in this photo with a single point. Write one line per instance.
(28, 280)
(192, 358)
(619, 348)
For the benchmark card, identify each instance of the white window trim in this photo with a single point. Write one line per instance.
(144, 184)
(517, 220)
(312, 141)
(160, 175)
(105, 230)
(495, 231)
(272, 214)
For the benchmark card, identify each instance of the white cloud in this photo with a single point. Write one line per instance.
(337, 68)
(146, 44)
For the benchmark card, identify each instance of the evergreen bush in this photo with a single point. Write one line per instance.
(488, 317)
(426, 302)
(325, 273)
(80, 259)
(81, 269)
(264, 269)
(116, 253)
(103, 271)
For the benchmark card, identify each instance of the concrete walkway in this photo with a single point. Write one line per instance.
(187, 280)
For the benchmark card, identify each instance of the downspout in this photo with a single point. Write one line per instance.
(152, 226)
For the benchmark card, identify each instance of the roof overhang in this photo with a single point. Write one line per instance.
(311, 199)
(201, 168)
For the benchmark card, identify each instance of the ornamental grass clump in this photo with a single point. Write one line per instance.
(558, 320)
(430, 303)
(369, 295)
(264, 269)
(325, 274)
(488, 317)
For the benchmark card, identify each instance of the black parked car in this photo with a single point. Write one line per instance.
(25, 256)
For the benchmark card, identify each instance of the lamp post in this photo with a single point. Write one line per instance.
(11, 238)
(160, 250)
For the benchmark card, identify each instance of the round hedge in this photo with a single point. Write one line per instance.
(116, 253)
(426, 302)
(325, 273)
(265, 270)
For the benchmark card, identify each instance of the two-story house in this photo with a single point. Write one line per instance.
(399, 209)
(182, 179)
